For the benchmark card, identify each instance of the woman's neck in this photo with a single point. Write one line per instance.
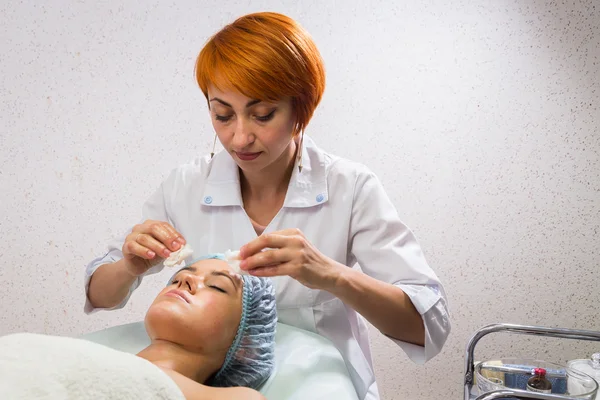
(167, 355)
(272, 180)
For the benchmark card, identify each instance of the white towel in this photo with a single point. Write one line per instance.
(233, 259)
(178, 257)
(43, 367)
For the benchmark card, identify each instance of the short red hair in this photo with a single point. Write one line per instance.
(265, 56)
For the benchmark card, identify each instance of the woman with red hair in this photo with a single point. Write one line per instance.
(298, 214)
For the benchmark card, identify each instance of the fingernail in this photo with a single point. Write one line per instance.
(175, 244)
(151, 254)
(244, 264)
(181, 240)
(166, 252)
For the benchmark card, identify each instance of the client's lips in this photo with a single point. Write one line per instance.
(245, 156)
(178, 294)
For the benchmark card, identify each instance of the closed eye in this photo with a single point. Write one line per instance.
(223, 118)
(265, 118)
(217, 288)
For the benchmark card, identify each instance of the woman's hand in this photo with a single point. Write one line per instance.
(148, 244)
(384, 305)
(288, 252)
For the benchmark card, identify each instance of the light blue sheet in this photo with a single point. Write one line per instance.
(308, 365)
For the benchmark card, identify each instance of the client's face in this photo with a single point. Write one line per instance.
(200, 309)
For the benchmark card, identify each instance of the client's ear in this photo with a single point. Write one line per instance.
(245, 350)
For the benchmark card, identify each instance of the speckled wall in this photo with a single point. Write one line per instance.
(480, 117)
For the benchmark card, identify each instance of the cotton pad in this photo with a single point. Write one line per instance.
(177, 257)
(233, 259)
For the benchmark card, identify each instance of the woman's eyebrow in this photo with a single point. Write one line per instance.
(226, 104)
(221, 273)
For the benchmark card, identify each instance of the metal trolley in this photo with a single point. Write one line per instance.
(524, 330)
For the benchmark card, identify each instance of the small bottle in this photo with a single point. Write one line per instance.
(538, 382)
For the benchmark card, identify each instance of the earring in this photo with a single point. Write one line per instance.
(212, 154)
(299, 157)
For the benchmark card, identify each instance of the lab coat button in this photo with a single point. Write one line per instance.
(320, 198)
(208, 200)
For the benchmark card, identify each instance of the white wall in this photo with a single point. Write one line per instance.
(480, 117)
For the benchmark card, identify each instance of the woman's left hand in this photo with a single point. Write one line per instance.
(288, 252)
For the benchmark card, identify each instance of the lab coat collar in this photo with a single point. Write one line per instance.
(306, 189)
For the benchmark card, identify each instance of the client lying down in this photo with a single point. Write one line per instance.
(212, 336)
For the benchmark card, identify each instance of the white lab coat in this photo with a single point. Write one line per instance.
(342, 209)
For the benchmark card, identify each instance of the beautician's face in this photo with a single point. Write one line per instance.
(200, 309)
(256, 133)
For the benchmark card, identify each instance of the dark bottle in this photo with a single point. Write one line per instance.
(538, 382)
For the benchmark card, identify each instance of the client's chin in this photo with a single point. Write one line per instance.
(167, 319)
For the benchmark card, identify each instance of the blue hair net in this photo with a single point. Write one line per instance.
(251, 357)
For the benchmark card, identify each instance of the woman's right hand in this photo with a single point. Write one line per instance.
(148, 244)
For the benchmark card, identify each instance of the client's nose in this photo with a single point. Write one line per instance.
(188, 283)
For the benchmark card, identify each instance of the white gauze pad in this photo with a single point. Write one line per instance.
(233, 259)
(177, 257)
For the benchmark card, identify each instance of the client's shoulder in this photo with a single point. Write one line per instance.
(193, 390)
(242, 393)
